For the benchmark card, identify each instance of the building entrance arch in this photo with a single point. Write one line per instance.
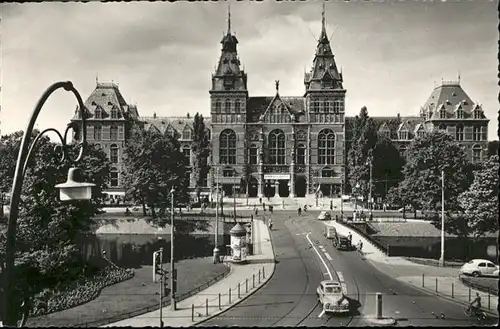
(284, 188)
(300, 186)
(253, 188)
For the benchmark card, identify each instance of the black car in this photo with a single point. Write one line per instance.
(342, 242)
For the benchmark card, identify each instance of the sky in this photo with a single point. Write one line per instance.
(162, 54)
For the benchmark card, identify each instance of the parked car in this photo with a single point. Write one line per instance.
(406, 209)
(324, 215)
(479, 267)
(330, 232)
(330, 295)
(341, 242)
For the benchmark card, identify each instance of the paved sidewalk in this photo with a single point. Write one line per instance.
(418, 275)
(245, 278)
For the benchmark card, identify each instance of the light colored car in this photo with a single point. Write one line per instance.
(479, 267)
(331, 296)
(406, 209)
(330, 232)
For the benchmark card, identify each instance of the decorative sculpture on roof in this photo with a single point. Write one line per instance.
(277, 85)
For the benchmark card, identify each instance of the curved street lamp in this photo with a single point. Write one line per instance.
(73, 189)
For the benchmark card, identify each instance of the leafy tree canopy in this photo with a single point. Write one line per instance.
(201, 152)
(492, 148)
(387, 166)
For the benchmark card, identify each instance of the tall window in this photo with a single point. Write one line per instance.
(442, 114)
(277, 147)
(186, 151)
(459, 134)
(484, 133)
(314, 106)
(114, 113)
(237, 106)
(113, 133)
(252, 154)
(227, 147)
(403, 134)
(113, 153)
(476, 153)
(326, 147)
(227, 105)
(186, 133)
(217, 106)
(477, 114)
(114, 177)
(338, 106)
(301, 154)
(97, 133)
(459, 114)
(98, 113)
(476, 133)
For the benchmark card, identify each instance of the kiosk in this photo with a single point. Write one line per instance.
(238, 244)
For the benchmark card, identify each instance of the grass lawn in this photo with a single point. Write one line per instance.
(131, 295)
(483, 283)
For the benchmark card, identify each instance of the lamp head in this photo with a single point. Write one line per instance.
(73, 188)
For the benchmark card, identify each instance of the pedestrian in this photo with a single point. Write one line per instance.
(260, 200)
(299, 211)
(264, 206)
(331, 205)
(360, 246)
(305, 208)
(271, 208)
(349, 236)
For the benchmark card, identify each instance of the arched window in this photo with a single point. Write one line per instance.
(227, 147)
(113, 153)
(237, 106)
(186, 151)
(113, 175)
(217, 106)
(476, 153)
(114, 113)
(459, 134)
(97, 133)
(327, 172)
(277, 147)
(113, 133)
(326, 147)
(186, 133)
(253, 154)
(301, 154)
(227, 105)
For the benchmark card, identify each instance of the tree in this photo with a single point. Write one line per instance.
(154, 164)
(431, 154)
(246, 178)
(364, 139)
(46, 252)
(201, 152)
(387, 166)
(492, 148)
(480, 201)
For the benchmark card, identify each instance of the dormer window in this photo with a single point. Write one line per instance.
(477, 114)
(459, 114)
(114, 113)
(442, 114)
(98, 114)
(327, 84)
(420, 133)
(403, 135)
(186, 134)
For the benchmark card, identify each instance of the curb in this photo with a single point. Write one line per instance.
(249, 294)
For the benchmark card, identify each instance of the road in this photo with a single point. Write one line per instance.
(289, 298)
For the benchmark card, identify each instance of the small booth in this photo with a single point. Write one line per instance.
(238, 244)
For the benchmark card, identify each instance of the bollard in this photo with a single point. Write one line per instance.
(489, 298)
(253, 280)
(469, 294)
(452, 290)
(219, 301)
(378, 298)
(206, 306)
(239, 290)
(192, 312)
(263, 273)
(436, 285)
(229, 295)
(246, 286)
(423, 280)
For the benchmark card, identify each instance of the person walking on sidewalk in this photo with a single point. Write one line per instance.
(475, 305)
(299, 211)
(349, 236)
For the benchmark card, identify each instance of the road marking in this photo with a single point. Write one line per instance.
(341, 276)
(328, 256)
(342, 282)
(321, 314)
(319, 255)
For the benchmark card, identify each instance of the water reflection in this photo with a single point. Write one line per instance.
(136, 250)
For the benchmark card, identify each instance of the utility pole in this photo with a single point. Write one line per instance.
(234, 202)
(441, 260)
(162, 287)
(216, 247)
(370, 201)
(172, 266)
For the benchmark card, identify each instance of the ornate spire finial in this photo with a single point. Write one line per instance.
(458, 76)
(228, 18)
(323, 17)
(277, 85)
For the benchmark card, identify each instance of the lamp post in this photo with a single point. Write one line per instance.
(441, 259)
(73, 189)
(370, 201)
(234, 202)
(356, 188)
(216, 252)
(172, 264)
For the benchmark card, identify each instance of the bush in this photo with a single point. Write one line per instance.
(78, 292)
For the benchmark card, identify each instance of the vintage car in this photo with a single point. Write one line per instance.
(341, 242)
(332, 298)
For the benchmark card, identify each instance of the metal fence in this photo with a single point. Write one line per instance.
(131, 314)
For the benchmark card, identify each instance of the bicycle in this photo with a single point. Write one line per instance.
(474, 311)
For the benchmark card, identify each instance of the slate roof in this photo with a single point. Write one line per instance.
(449, 96)
(106, 96)
(178, 123)
(394, 124)
(256, 106)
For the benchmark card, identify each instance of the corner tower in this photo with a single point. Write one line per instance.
(228, 108)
